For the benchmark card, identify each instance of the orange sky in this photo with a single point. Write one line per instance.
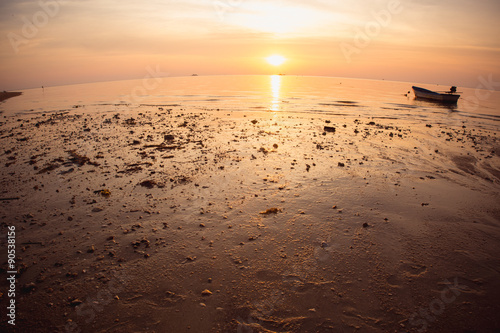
(51, 42)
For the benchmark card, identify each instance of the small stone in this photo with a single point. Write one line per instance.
(206, 292)
(365, 225)
(273, 210)
(27, 288)
(75, 302)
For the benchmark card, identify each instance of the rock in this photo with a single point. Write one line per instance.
(365, 225)
(341, 164)
(75, 302)
(206, 292)
(273, 210)
(329, 129)
(169, 137)
(27, 288)
(148, 183)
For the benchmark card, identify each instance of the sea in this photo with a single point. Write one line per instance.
(287, 94)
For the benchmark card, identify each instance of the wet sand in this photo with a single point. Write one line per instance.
(5, 95)
(172, 220)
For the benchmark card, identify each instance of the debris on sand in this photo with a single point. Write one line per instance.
(130, 122)
(148, 183)
(80, 160)
(273, 210)
(105, 193)
(169, 137)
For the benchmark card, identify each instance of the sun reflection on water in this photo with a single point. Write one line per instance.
(275, 89)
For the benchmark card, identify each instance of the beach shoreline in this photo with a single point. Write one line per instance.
(155, 220)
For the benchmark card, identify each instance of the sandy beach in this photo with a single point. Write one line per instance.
(175, 220)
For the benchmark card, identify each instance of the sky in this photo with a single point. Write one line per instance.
(58, 42)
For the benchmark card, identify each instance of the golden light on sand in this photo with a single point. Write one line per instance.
(276, 60)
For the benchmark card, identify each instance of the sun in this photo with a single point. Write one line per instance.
(276, 60)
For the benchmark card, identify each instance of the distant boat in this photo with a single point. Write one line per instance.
(446, 97)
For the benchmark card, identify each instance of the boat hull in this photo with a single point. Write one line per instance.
(422, 93)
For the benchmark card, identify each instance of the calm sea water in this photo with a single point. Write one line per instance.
(290, 94)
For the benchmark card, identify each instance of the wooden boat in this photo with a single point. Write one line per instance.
(447, 97)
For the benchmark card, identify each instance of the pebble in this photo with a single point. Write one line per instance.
(206, 292)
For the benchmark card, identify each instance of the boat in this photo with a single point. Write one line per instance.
(446, 97)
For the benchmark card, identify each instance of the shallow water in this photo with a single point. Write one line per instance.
(290, 94)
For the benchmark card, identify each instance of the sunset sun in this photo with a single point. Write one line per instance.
(276, 60)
